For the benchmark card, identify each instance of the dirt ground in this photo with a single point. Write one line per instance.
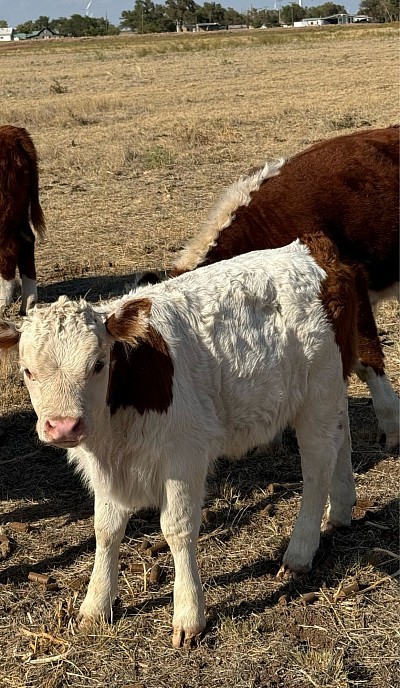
(137, 136)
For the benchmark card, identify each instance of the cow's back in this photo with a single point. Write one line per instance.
(346, 187)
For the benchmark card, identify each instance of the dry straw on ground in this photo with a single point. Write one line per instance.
(136, 137)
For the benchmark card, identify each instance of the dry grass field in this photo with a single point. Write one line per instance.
(137, 136)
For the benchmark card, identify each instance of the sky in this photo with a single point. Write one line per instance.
(18, 11)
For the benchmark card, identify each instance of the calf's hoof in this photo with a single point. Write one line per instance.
(292, 570)
(286, 574)
(390, 441)
(87, 617)
(186, 637)
(331, 523)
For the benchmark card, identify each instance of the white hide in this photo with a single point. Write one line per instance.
(252, 352)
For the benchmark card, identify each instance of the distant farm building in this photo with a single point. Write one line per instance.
(7, 34)
(333, 19)
(11, 35)
(198, 28)
(44, 33)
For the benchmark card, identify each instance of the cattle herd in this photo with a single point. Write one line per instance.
(262, 319)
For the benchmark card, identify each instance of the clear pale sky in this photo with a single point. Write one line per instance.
(18, 11)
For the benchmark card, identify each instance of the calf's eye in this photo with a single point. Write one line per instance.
(28, 373)
(98, 366)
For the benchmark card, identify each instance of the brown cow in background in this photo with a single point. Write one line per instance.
(19, 205)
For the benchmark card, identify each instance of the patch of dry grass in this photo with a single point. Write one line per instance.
(136, 138)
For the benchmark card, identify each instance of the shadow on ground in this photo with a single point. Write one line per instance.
(92, 288)
(47, 486)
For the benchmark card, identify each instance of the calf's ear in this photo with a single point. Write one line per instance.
(130, 322)
(9, 337)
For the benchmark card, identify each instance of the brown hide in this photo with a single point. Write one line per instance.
(19, 202)
(347, 187)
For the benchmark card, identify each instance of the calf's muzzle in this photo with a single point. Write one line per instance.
(66, 429)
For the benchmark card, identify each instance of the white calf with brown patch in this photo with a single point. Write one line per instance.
(147, 391)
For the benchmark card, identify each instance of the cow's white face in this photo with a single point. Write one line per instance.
(64, 357)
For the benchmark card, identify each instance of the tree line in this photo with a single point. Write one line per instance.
(150, 17)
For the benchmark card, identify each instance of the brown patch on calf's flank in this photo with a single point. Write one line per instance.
(9, 336)
(338, 296)
(141, 368)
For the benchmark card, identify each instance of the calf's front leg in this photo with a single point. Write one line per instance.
(180, 523)
(109, 522)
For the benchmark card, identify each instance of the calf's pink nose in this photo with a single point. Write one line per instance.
(64, 428)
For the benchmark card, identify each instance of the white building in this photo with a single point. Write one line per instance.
(333, 19)
(7, 34)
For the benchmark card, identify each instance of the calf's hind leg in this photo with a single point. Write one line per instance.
(342, 492)
(319, 435)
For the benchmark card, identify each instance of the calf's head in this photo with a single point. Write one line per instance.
(65, 353)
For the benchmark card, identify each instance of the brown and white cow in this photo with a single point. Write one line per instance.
(19, 204)
(346, 187)
(147, 391)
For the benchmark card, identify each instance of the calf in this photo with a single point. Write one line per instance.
(147, 391)
(346, 187)
(19, 203)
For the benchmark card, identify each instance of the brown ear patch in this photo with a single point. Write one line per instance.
(141, 368)
(129, 323)
(9, 336)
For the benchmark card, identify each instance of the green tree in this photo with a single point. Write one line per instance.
(183, 10)
(26, 27)
(232, 16)
(264, 18)
(380, 10)
(3, 24)
(62, 25)
(292, 13)
(41, 22)
(146, 17)
(213, 11)
(140, 18)
(325, 10)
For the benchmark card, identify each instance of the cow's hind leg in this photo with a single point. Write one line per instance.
(386, 404)
(8, 264)
(6, 292)
(27, 270)
(371, 369)
(109, 522)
